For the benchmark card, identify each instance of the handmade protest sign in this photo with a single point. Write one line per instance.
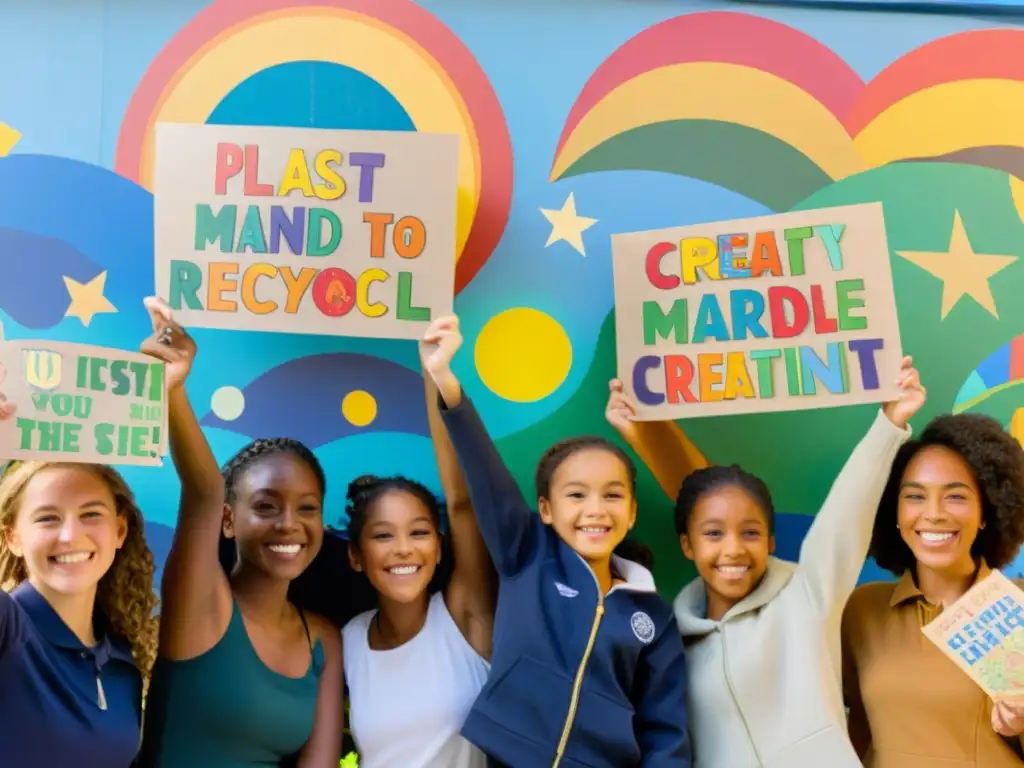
(76, 402)
(983, 633)
(775, 313)
(346, 233)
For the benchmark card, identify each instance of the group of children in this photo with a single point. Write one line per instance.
(503, 635)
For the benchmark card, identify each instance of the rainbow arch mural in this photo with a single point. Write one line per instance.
(696, 117)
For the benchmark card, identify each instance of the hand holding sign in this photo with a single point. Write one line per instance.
(7, 409)
(169, 342)
(1008, 717)
(440, 343)
(911, 397)
(621, 410)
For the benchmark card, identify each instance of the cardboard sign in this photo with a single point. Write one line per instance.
(777, 313)
(77, 402)
(341, 233)
(983, 633)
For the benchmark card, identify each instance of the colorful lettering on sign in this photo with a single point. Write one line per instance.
(987, 630)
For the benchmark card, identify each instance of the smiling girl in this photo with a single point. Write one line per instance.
(952, 510)
(762, 634)
(588, 665)
(244, 677)
(415, 665)
(77, 634)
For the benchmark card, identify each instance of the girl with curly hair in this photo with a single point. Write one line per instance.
(244, 677)
(952, 509)
(77, 633)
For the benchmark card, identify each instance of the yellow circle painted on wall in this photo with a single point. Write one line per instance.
(359, 407)
(523, 354)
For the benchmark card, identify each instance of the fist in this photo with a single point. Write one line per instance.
(7, 409)
(169, 342)
(441, 341)
(1008, 717)
(621, 410)
(911, 398)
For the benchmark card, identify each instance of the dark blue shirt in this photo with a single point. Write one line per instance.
(602, 677)
(61, 703)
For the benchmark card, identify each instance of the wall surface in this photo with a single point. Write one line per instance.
(579, 118)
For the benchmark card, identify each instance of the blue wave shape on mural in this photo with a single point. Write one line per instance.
(302, 399)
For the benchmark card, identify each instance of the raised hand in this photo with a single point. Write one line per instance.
(7, 408)
(620, 410)
(1008, 717)
(912, 395)
(441, 341)
(169, 342)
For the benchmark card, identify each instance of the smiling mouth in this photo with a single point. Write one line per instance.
(72, 558)
(937, 538)
(594, 530)
(403, 570)
(286, 550)
(733, 571)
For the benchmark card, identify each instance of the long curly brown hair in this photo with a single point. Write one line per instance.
(125, 593)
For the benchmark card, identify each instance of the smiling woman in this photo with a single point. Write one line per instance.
(244, 676)
(77, 634)
(952, 509)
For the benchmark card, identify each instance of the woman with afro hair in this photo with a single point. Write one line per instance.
(952, 510)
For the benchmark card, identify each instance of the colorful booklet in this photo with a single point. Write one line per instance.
(983, 633)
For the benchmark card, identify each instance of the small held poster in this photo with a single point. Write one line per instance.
(80, 403)
(346, 233)
(777, 313)
(983, 633)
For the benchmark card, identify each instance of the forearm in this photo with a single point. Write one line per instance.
(193, 459)
(667, 452)
(453, 484)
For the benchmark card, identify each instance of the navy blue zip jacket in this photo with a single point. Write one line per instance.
(577, 678)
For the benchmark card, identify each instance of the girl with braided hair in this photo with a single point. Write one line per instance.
(244, 677)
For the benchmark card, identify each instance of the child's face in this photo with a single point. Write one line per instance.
(399, 547)
(729, 541)
(591, 506)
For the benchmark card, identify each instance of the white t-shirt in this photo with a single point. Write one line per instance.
(408, 704)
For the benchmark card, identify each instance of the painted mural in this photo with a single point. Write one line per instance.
(573, 125)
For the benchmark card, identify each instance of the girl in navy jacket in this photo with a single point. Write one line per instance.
(587, 665)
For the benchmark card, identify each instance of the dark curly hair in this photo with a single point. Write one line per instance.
(366, 489)
(248, 457)
(629, 548)
(703, 481)
(996, 460)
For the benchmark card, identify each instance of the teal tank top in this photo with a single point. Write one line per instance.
(226, 708)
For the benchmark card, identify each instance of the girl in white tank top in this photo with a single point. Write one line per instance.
(414, 667)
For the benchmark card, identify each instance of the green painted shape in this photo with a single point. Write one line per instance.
(744, 160)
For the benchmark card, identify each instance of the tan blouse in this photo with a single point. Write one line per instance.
(910, 706)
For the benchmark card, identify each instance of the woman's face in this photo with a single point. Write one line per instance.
(399, 546)
(67, 530)
(277, 516)
(940, 509)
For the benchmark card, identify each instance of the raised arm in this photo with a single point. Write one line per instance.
(196, 595)
(660, 703)
(472, 591)
(661, 445)
(834, 550)
(509, 527)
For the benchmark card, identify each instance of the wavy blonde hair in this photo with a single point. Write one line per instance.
(125, 593)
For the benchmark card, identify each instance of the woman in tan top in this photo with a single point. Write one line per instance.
(953, 508)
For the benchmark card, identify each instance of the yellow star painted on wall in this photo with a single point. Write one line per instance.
(962, 271)
(87, 299)
(567, 225)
